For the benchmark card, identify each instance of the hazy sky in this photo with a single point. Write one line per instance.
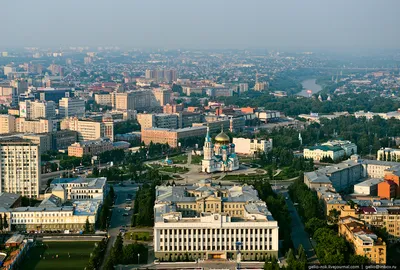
(303, 24)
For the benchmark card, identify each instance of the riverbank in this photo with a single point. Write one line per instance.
(309, 84)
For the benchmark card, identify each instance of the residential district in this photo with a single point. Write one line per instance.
(197, 160)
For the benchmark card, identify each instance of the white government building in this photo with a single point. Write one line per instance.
(251, 146)
(335, 149)
(206, 221)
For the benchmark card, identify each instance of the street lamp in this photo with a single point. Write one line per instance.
(138, 258)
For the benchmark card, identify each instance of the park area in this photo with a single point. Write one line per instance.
(58, 255)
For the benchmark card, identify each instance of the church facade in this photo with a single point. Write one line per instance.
(219, 157)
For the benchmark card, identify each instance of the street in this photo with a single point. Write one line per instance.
(117, 218)
(299, 235)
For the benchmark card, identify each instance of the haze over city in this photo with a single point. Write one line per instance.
(208, 24)
(199, 135)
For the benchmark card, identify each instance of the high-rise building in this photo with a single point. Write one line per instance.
(20, 84)
(88, 130)
(208, 221)
(37, 109)
(243, 87)
(161, 75)
(19, 167)
(69, 107)
(7, 123)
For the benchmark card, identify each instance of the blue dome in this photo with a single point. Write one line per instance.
(232, 144)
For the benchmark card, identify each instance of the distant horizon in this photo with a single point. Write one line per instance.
(284, 25)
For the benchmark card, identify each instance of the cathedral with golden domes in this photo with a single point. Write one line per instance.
(221, 156)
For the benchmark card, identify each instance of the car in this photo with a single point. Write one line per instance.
(287, 198)
(127, 208)
(122, 230)
(125, 214)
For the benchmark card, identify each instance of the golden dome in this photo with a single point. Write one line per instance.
(222, 138)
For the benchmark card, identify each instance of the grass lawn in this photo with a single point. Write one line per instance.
(181, 159)
(196, 159)
(144, 236)
(174, 169)
(79, 252)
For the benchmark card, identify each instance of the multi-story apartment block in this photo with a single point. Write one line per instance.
(387, 217)
(251, 146)
(7, 124)
(88, 130)
(79, 149)
(19, 167)
(42, 140)
(69, 107)
(103, 99)
(364, 241)
(62, 139)
(162, 96)
(35, 126)
(161, 75)
(171, 136)
(161, 120)
(209, 221)
(37, 109)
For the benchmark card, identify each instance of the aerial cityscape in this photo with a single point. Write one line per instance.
(199, 135)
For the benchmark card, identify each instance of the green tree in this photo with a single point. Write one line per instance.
(88, 227)
(301, 253)
(314, 224)
(358, 260)
(117, 250)
(1, 222)
(290, 258)
(5, 223)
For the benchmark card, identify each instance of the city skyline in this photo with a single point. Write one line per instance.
(305, 25)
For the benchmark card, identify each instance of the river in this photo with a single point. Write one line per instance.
(309, 84)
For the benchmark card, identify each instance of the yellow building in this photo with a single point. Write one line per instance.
(364, 242)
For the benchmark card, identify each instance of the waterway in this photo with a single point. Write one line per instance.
(309, 84)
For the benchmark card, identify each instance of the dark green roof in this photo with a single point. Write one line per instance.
(326, 148)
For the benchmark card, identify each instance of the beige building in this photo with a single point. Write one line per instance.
(19, 167)
(207, 221)
(48, 216)
(134, 100)
(69, 107)
(149, 120)
(89, 130)
(37, 109)
(171, 136)
(7, 124)
(364, 241)
(103, 99)
(35, 126)
(92, 148)
(162, 96)
(377, 216)
(388, 154)
(43, 140)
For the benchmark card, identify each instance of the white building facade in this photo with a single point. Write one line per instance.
(206, 221)
(251, 146)
(69, 107)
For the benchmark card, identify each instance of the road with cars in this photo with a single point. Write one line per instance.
(120, 218)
